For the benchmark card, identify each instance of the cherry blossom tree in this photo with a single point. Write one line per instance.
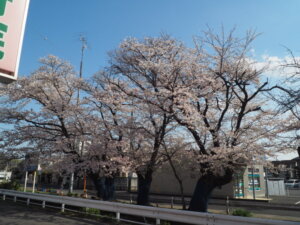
(48, 117)
(288, 98)
(137, 124)
(42, 107)
(108, 133)
(213, 91)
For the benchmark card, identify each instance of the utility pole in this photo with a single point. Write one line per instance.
(83, 41)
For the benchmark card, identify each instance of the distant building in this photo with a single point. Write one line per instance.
(287, 169)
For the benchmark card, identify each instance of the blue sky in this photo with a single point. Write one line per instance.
(54, 26)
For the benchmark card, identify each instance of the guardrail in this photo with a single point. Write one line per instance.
(158, 214)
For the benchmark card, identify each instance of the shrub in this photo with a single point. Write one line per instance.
(241, 212)
(12, 185)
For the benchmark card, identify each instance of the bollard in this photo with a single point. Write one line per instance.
(28, 201)
(15, 198)
(118, 216)
(130, 198)
(4, 197)
(172, 202)
(44, 204)
(62, 207)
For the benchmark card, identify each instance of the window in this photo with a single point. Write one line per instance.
(254, 180)
(256, 170)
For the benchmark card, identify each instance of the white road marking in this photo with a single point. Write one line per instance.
(297, 203)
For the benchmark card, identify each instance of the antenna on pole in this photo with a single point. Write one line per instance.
(83, 47)
(83, 41)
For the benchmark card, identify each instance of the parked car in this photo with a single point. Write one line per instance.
(292, 183)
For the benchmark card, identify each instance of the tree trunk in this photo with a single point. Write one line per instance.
(201, 195)
(105, 187)
(205, 185)
(144, 184)
(179, 180)
(182, 195)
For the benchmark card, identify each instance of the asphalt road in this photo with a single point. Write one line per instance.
(19, 214)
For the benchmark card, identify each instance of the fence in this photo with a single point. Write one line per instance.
(149, 212)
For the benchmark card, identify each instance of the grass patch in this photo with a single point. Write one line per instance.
(241, 212)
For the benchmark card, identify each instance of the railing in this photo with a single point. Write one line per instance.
(149, 212)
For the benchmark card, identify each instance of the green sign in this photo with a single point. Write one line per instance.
(3, 27)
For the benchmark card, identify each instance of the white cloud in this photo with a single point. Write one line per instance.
(277, 67)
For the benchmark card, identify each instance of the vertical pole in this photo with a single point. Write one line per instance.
(4, 197)
(62, 207)
(227, 205)
(71, 183)
(172, 202)
(15, 198)
(253, 188)
(44, 204)
(130, 198)
(28, 201)
(34, 178)
(267, 186)
(118, 216)
(26, 179)
(84, 184)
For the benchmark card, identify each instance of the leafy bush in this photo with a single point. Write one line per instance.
(241, 212)
(91, 211)
(12, 185)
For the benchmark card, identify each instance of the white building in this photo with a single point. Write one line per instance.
(5, 176)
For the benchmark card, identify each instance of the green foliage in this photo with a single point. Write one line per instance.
(91, 211)
(12, 185)
(241, 212)
(72, 194)
(165, 223)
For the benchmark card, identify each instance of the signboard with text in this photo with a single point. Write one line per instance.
(13, 15)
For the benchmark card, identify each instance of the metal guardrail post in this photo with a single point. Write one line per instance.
(28, 201)
(62, 207)
(4, 197)
(15, 198)
(157, 221)
(118, 215)
(44, 204)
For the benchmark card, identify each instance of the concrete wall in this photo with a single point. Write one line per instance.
(164, 182)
